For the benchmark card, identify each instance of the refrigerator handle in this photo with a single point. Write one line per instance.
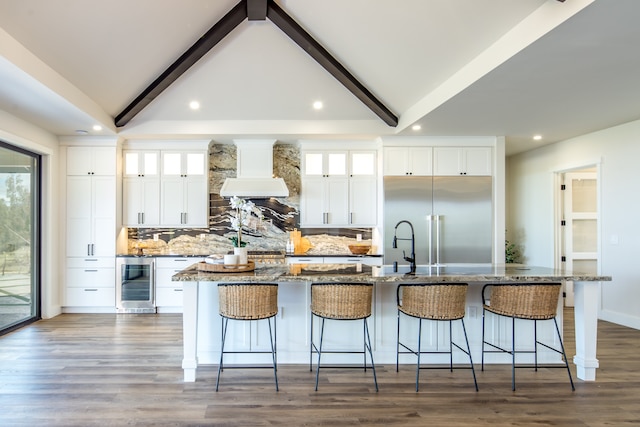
(430, 238)
(437, 217)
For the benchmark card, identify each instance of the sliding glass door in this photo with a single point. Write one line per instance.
(19, 237)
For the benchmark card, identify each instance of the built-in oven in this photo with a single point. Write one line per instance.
(135, 287)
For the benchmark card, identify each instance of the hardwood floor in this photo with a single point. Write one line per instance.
(117, 370)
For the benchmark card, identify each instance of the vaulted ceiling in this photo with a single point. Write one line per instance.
(456, 67)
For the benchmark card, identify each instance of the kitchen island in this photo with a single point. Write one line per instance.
(201, 320)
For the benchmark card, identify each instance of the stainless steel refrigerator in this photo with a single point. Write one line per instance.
(451, 218)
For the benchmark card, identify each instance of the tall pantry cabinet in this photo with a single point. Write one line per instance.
(90, 227)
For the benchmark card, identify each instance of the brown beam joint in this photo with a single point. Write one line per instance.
(257, 10)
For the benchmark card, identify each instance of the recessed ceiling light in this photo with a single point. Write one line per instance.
(317, 105)
(537, 137)
(81, 132)
(194, 105)
(416, 127)
(97, 128)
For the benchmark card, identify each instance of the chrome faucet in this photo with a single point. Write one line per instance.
(412, 258)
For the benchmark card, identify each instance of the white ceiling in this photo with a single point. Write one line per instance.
(457, 67)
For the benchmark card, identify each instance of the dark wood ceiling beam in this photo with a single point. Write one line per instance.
(291, 28)
(257, 10)
(212, 37)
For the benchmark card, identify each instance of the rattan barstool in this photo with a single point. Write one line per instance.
(341, 301)
(434, 302)
(249, 301)
(529, 301)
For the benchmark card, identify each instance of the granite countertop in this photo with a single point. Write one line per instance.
(364, 273)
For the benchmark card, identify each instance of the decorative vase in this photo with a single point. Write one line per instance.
(242, 255)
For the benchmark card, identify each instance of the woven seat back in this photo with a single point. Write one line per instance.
(341, 300)
(248, 301)
(525, 301)
(434, 301)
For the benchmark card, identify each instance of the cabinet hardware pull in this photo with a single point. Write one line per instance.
(177, 290)
(91, 290)
(89, 249)
(91, 271)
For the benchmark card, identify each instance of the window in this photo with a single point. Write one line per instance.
(19, 237)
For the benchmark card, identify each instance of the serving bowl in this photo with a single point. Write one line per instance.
(359, 249)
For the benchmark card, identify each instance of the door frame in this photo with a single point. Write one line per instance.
(559, 234)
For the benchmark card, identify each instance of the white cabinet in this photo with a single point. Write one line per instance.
(90, 228)
(401, 161)
(91, 282)
(141, 189)
(184, 196)
(91, 161)
(474, 161)
(338, 188)
(168, 292)
(91, 216)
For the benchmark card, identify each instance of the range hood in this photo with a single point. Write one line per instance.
(255, 172)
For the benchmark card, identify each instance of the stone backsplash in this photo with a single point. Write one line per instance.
(281, 216)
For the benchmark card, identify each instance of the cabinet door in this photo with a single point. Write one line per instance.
(91, 161)
(477, 161)
(172, 210)
(362, 201)
(104, 215)
(337, 201)
(447, 161)
(312, 202)
(196, 202)
(420, 161)
(79, 237)
(141, 202)
(395, 161)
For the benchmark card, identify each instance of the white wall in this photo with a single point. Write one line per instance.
(22, 134)
(530, 209)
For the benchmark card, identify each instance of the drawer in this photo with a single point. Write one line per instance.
(163, 277)
(305, 260)
(91, 277)
(179, 263)
(90, 297)
(354, 260)
(91, 262)
(169, 297)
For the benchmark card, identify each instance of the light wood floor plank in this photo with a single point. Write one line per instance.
(124, 370)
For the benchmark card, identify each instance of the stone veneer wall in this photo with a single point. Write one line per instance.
(281, 215)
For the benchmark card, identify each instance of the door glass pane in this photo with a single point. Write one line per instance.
(337, 164)
(362, 164)
(195, 164)
(131, 164)
(18, 247)
(150, 164)
(313, 164)
(584, 235)
(171, 163)
(584, 195)
(588, 266)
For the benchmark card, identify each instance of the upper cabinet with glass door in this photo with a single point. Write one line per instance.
(141, 164)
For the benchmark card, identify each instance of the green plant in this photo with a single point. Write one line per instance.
(511, 253)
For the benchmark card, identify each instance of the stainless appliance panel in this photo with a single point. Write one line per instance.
(135, 287)
(451, 216)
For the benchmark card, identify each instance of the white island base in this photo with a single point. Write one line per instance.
(202, 324)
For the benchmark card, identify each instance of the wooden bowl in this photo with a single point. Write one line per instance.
(359, 249)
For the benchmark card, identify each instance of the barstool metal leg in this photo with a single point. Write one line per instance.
(466, 340)
(513, 354)
(398, 342)
(482, 353)
(319, 352)
(450, 346)
(419, 352)
(373, 366)
(224, 323)
(273, 341)
(564, 354)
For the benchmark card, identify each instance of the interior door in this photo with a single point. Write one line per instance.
(580, 229)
